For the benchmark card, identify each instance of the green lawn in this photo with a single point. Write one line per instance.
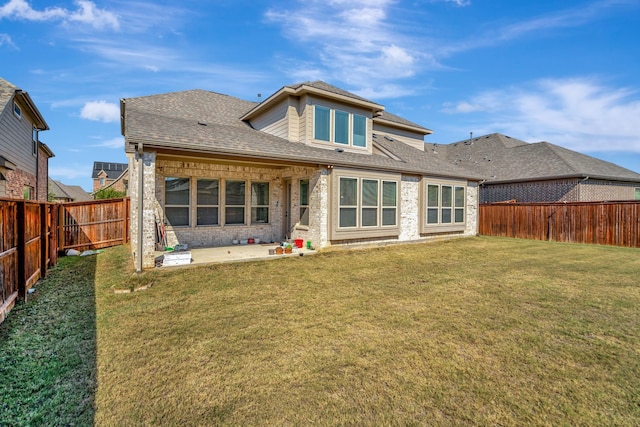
(480, 331)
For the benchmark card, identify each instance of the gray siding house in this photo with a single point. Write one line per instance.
(311, 161)
(24, 160)
(541, 172)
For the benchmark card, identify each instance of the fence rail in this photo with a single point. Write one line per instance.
(604, 223)
(33, 233)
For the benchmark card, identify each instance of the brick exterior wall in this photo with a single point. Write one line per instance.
(561, 190)
(16, 181)
(317, 231)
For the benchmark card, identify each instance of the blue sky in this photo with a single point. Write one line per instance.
(564, 72)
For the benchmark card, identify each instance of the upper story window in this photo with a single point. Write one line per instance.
(17, 110)
(339, 127)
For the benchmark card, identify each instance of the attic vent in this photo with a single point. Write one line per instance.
(202, 123)
(387, 138)
(339, 150)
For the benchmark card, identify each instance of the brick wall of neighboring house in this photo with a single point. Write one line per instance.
(43, 176)
(16, 181)
(561, 190)
(597, 190)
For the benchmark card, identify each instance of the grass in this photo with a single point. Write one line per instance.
(481, 331)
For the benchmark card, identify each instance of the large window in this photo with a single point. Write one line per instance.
(259, 203)
(208, 202)
(445, 204)
(322, 123)
(367, 206)
(176, 201)
(304, 202)
(339, 127)
(234, 199)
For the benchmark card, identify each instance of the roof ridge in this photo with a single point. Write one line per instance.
(567, 161)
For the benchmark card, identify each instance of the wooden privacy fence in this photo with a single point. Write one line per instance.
(603, 223)
(33, 233)
(28, 247)
(93, 225)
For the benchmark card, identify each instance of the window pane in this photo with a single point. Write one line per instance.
(432, 195)
(321, 123)
(447, 192)
(177, 216)
(432, 216)
(446, 216)
(348, 217)
(369, 217)
(304, 192)
(348, 191)
(369, 192)
(341, 132)
(260, 193)
(459, 215)
(207, 191)
(389, 193)
(459, 197)
(234, 215)
(260, 215)
(389, 216)
(304, 215)
(176, 191)
(637, 193)
(359, 131)
(207, 216)
(234, 193)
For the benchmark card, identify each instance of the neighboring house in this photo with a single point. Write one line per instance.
(110, 175)
(312, 161)
(541, 172)
(24, 160)
(60, 193)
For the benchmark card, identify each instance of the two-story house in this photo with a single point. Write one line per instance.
(311, 161)
(24, 160)
(110, 175)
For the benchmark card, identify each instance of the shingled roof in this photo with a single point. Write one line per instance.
(112, 170)
(209, 123)
(500, 158)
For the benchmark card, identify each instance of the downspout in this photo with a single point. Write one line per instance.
(37, 143)
(140, 207)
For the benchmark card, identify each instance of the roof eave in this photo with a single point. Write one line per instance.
(39, 121)
(387, 122)
(301, 90)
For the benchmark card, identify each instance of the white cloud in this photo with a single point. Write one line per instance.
(581, 113)
(117, 142)
(86, 13)
(5, 39)
(69, 173)
(356, 42)
(102, 111)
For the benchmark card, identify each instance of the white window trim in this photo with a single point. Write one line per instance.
(244, 206)
(17, 110)
(268, 205)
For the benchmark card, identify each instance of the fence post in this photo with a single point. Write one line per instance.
(20, 223)
(44, 240)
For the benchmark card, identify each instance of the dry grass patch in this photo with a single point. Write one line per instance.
(478, 331)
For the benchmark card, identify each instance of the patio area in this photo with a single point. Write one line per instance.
(222, 254)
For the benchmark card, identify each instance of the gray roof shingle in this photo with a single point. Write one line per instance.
(113, 170)
(500, 158)
(208, 122)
